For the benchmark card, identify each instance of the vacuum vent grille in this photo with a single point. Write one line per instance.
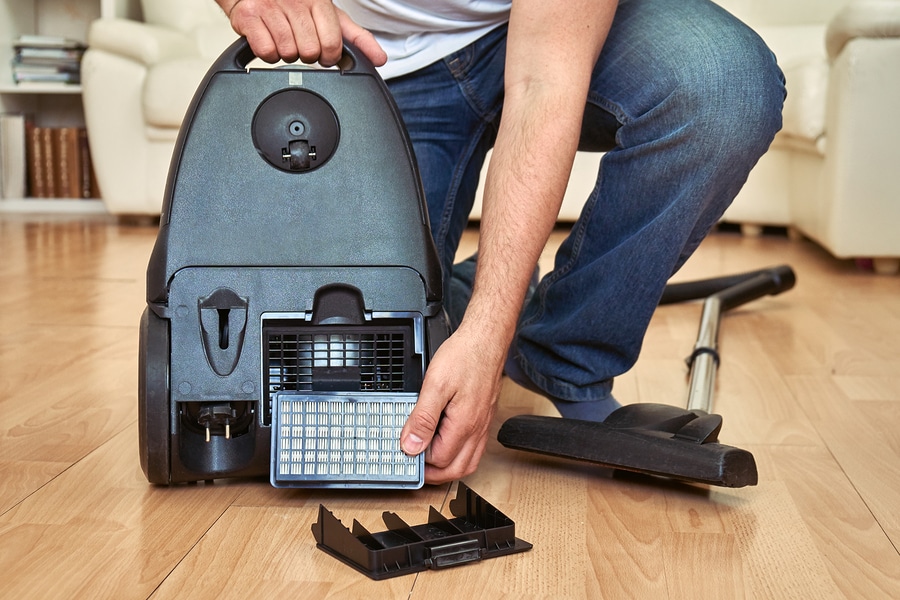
(293, 359)
(299, 357)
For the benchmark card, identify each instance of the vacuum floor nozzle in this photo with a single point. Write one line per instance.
(651, 448)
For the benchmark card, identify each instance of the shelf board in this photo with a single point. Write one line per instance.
(72, 206)
(39, 88)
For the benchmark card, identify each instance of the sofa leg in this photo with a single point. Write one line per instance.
(751, 230)
(886, 265)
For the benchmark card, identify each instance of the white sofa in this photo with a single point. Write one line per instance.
(829, 173)
(138, 78)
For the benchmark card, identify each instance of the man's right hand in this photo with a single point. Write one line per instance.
(309, 30)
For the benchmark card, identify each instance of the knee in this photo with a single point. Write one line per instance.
(735, 93)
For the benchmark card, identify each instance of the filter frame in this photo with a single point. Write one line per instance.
(342, 440)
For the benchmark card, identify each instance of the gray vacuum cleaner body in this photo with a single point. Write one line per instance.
(294, 291)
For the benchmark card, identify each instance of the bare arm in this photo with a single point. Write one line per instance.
(308, 30)
(551, 51)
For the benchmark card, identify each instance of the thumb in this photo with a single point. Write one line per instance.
(363, 39)
(421, 425)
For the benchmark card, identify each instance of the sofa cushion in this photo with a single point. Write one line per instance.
(863, 19)
(170, 84)
(759, 13)
(168, 90)
(182, 15)
(800, 51)
(213, 38)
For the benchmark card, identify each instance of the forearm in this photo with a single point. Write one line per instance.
(226, 5)
(518, 215)
(547, 77)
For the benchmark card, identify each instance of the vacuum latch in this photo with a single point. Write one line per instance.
(223, 322)
(453, 554)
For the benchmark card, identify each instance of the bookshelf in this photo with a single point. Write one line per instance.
(50, 105)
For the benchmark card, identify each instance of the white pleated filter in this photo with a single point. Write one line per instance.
(342, 439)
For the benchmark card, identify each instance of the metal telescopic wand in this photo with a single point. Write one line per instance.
(705, 359)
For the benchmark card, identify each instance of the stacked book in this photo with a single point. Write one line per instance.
(44, 162)
(47, 59)
(59, 163)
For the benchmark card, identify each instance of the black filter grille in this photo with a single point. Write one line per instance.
(340, 358)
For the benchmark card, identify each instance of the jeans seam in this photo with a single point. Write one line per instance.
(469, 93)
(611, 107)
(558, 273)
(458, 65)
(453, 192)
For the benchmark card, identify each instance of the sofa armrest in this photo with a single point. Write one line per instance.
(143, 43)
(853, 210)
(864, 19)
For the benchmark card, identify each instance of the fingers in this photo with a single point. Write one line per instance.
(422, 423)
(307, 30)
(453, 446)
(318, 35)
(443, 465)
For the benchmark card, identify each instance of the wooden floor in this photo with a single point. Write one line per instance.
(809, 382)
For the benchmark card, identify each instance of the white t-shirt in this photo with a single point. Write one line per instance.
(416, 34)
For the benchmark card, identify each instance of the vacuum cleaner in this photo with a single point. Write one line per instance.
(662, 439)
(294, 290)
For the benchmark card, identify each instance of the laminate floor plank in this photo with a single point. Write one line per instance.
(808, 382)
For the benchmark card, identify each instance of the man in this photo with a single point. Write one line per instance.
(682, 96)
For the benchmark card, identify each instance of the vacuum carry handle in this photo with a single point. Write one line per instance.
(239, 54)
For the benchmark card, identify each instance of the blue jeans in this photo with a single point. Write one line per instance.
(684, 100)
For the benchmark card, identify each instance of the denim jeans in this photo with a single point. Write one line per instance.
(684, 99)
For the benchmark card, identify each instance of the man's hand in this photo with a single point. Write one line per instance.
(308, 30)
(456, 404)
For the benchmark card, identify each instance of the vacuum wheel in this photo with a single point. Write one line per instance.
(153, 398)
